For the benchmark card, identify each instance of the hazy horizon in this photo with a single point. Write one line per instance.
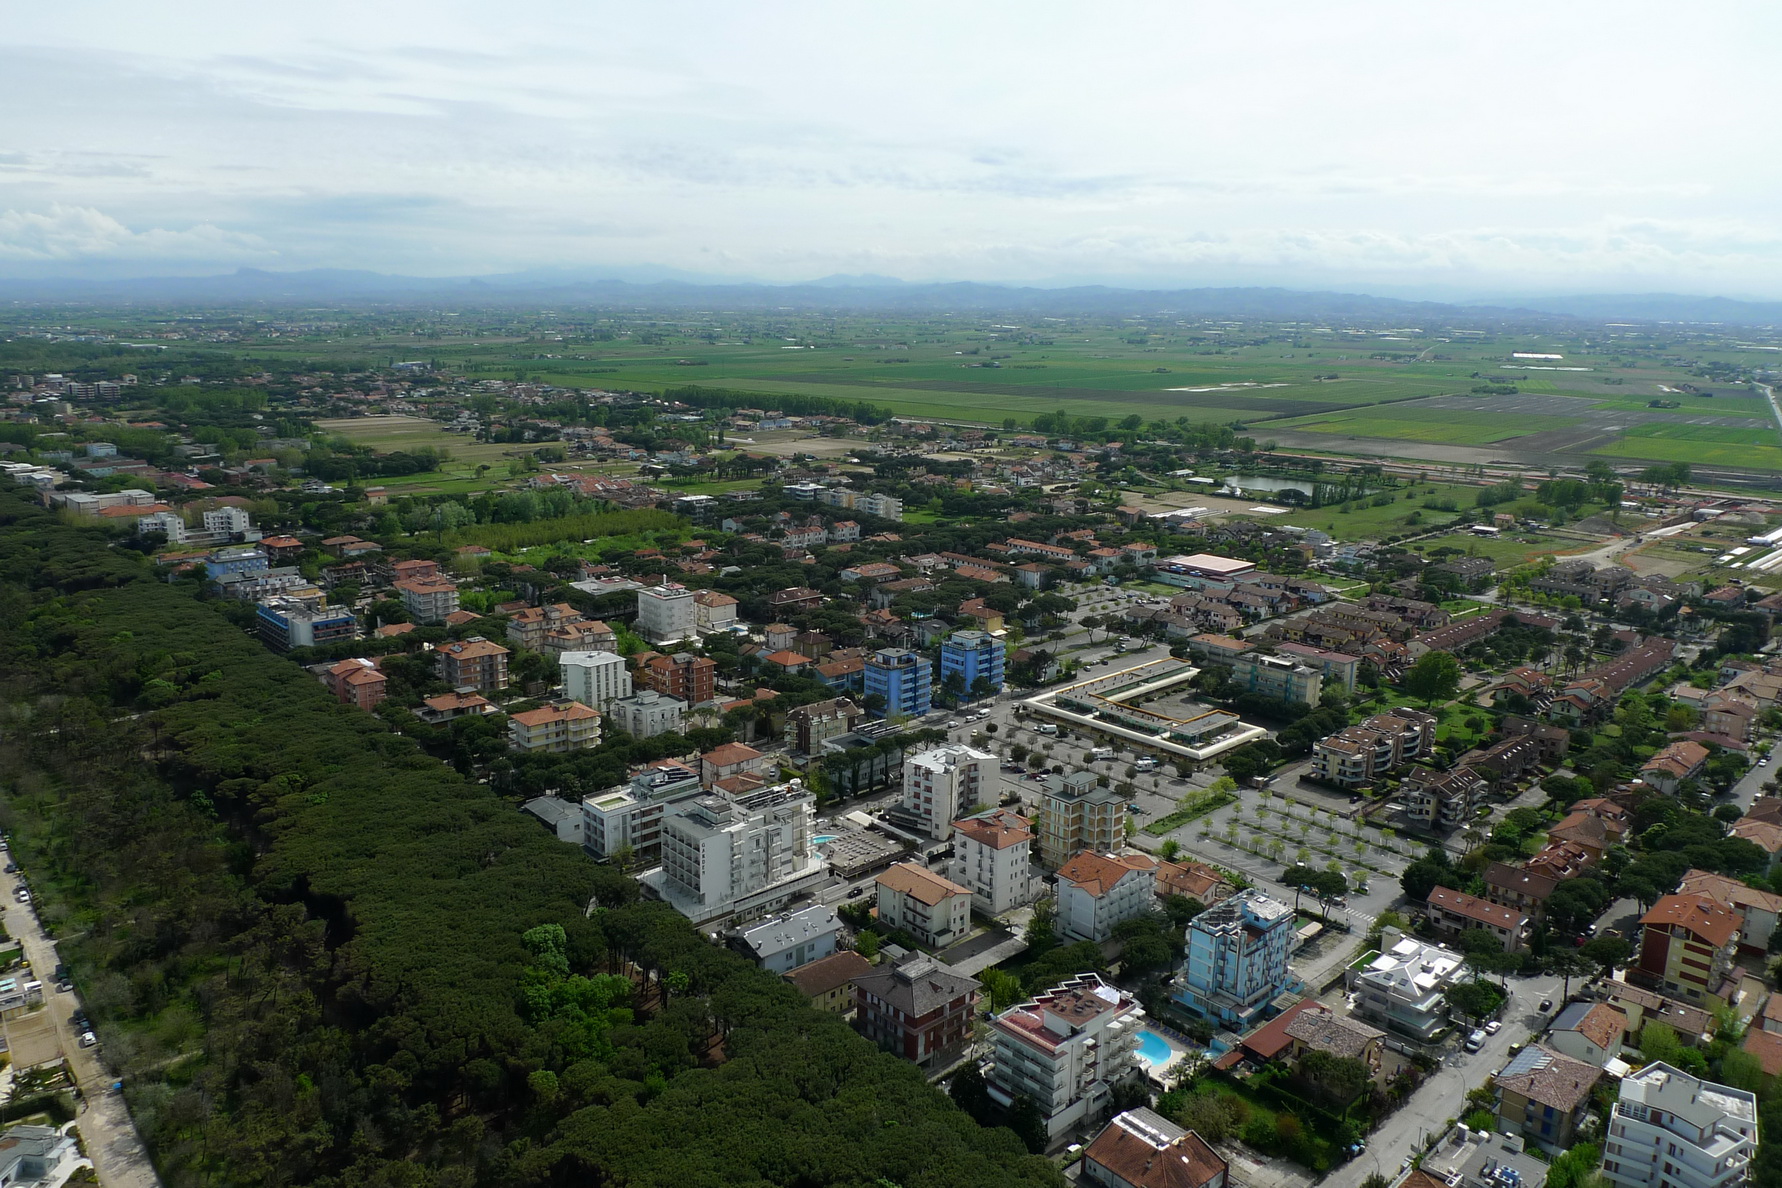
(1395, 150)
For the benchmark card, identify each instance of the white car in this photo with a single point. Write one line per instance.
(88, 1039)
(1493, 1027)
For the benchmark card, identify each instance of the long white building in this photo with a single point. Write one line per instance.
(940, 784)
(629, 816)
(594, 678)
(1671, 1130)
(737, 855)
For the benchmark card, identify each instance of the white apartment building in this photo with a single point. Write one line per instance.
(595, 678)
(226, 521)
(1671, 1130)
(940, 784)
(1098, 891)
(1405, 988)
(1065, 1050)
(993, 855)
(934, 910)
(737, 855)
(629, 816)
(785, 942)
(646, 713)
(666, 614)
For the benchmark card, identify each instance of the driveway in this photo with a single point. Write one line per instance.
(111, 1139)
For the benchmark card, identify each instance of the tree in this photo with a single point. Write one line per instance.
(1028, 1124)
(1432, 870)
(1042, 928)
(1001, 987)
(1434, 677)
(1568, 963)
(1475, 1000)
(1607, 952)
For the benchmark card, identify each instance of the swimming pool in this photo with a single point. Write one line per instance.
(824, 837)
(1153, 1049)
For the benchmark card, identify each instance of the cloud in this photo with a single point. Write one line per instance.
(83, 233)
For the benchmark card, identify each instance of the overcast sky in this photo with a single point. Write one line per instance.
(1450, 149)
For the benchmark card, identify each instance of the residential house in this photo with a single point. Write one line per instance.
(646, 714)
(527, 628)
(1141, 1149)
(684, 676)
(1545, 1096)
(1759, 912)
(428, 601)
(1454, 912)
(357, 683)
(456, 704)
(1323, 1030)
(934, 910)
(1192, 880)
(1443, 800)
(1076, 814)
(916, 1008)
(1677, 762)
(731, 759)
(808, 726)
(1589, 1031)
(992, 855)
(780, 944)
(713, 611)
(1358, 755)
(1098, 891)
(1518, 887)
(1404, 989)
(1687, 946)
(828, 982)
(1694, 1025)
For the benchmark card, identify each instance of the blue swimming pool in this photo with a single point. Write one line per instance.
(823, 837)
(1153, 1049)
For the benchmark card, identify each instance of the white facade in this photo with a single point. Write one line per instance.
(940, 784)
(1405, 988)
(630, 815)
(1065, 1050)
(725, 855)
(169, 523)
(934, 910)
(595, 678)
(1671, 1130)
(666, 614)
(993, 855)
(1098, 891)
(786, 942)
(227, 520)
(713, 611)
(646, 713)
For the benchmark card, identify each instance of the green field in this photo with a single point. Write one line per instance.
(1506, 550)
(1363, 521)
(1746, 454)
(1441, 426)
(457, 477)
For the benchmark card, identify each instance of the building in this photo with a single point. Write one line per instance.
(1280, 677)
(1544, 1095)
(945, 782)
(1404, 988)
(474, 663)
(455, 704)
(1694, 1025)
(1320, 1029)
(781, 944)
(1519, 887)
(428, 600)
(1470, 1158)
(916, 1008)
(1337, 668)
(901, 679)
(1589, 1031)
(286, 623)
(1065, 1051)
(737, 855)
(993, 855)
(667, 614)
(1360, 754)
(731, 759)
(1454, 912)
(1098, 891)
(934, 910)
(587, 635)
(1236, 961)
(1759, 912)
(37, 1156)
(829, 981)
(1141, 1149)
(628, 818)
(1192, 880)
(1682, 760)
(1076, 814)
(594, 678)
(528, 627)
(968, 657)
(1671, 1130)
(646, 714)
(357, 683)
(689, 678)
(560, 726)
(1443, 800)
(1687, 946)
(713, 611)
(809, 726)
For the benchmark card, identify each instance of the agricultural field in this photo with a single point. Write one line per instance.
(1508, 550)
(473, 465)
(1364, 521)
(1417, 422)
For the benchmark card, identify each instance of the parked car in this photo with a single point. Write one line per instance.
(64, 986)
(856, 892)
(1493, 1027)
(1546, 1004)
(1475, 1041)
(88, 1039)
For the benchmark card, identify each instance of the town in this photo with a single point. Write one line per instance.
(1202, 812)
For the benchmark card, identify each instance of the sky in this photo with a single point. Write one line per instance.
(1404, 148)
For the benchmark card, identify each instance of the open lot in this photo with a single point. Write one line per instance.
(392, 434)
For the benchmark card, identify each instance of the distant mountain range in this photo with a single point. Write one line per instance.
(667, 288)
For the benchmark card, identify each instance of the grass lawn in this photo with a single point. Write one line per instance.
(1363, 521)
(1750, 452)
(393, 433)
(1507, 550)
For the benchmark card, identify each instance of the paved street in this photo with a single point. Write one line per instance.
(111, 1140)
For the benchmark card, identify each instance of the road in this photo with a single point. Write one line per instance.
(1442, 1097)
(111, 1139)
